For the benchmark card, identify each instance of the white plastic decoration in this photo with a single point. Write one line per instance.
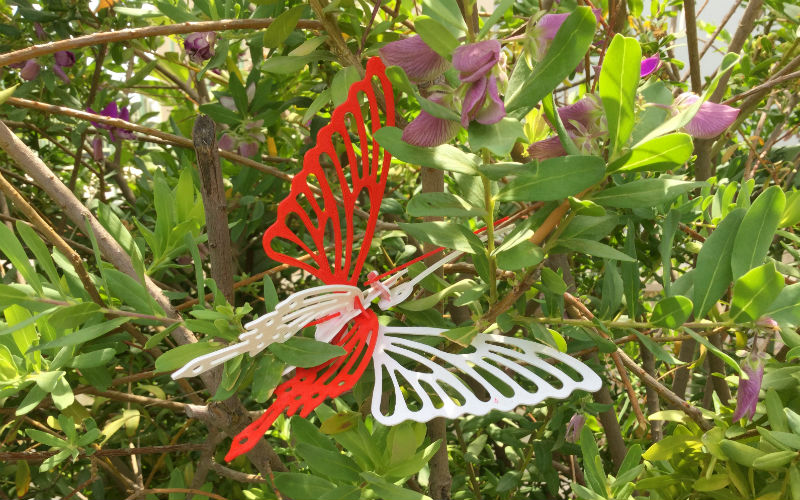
(413, 380)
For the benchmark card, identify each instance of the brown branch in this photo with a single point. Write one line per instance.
(719, 29)
(38, 456)
(98, 71)
(758, 89)
(146, 32)
(239, 477)
(118, 123)
(141, 493)
(691, 38)
(181, 85)
(214, 204)
(136, 399)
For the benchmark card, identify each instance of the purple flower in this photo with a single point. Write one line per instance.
(420, 62)
(31, 70)
(112, 111)
(64, 58)
(584, 121)
(40, 34)
(226, 142)
(649, 65)
(586, 113)
(711, 119)
(482, 103)
(427, 130)
(574, 428)
(97, 148)
(767, 323)
(248, 149)
(60, 73)
(475, 60)
(747, 395)
(200, 46)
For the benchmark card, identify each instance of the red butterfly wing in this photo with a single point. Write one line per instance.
(309, 387)
(310, 219)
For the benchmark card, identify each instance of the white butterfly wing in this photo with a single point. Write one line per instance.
(499, 373)
(289, 317)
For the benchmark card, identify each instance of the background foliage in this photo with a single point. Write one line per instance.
(668, 263)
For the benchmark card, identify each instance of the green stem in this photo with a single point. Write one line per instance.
(489, 203)
(636, 325)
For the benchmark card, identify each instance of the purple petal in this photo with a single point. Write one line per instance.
(248, 149)
(574, 428)
(475, 60)
(649, 65)
(473, 101)
(582, 112)
(200, 46)
(495, 110)
(64, 58)
(226, 142)
(124, 114)
(550, 24)
(711, 120)
(747, 395)
(60, 73)
(40, 34)
(111, 110)
(419, 61)
(30, 71)
(97, 125)
(547, 148)
(97, 148)
(228, 102)
(427, 130)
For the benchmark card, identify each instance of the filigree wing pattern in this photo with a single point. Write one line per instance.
(309, 387)
(310, 218)
(289, 317)
(497, 373)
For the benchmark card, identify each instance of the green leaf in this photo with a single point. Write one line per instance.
(39, 249)
(6, 93)
(712, 275)
(266, 377)
(305, 353)
(92, 359)
(658, 351)
(671, 312)
(83, 335)
(62, 394)
(791, 212)
(554, 179)
(644, 193)
(441, 205)
(754, 292)
(46, 438)
(566, 51)
(786, 307)
(443, 234)
(774, 461)
(435, 35)
(757, 231)
(447, 12)
(595, 477)
(385, 489)
(285, 65)
(619, 78)
(496, 171)
(282, 27)
(657, 155)
(553, 282)
(777, 419)
(443, 157)
(177, 14)
(499, 138)
(12, 249)
(297, 485)
(668, 446)
(331, 464)
(30, 401)
(520, 256)
(430, 301)
(740, 452)
(596, 249)
(713, 482)
(179, 356)
(462, 335)
(72, 316)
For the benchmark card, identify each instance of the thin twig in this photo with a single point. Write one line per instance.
(146, 32)
(38, 456)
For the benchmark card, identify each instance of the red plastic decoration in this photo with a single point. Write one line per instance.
(320, 212)
(365, 172)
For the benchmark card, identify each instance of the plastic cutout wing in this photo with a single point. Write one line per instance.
(345, 173)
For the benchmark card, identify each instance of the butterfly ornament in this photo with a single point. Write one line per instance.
(413, 379)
